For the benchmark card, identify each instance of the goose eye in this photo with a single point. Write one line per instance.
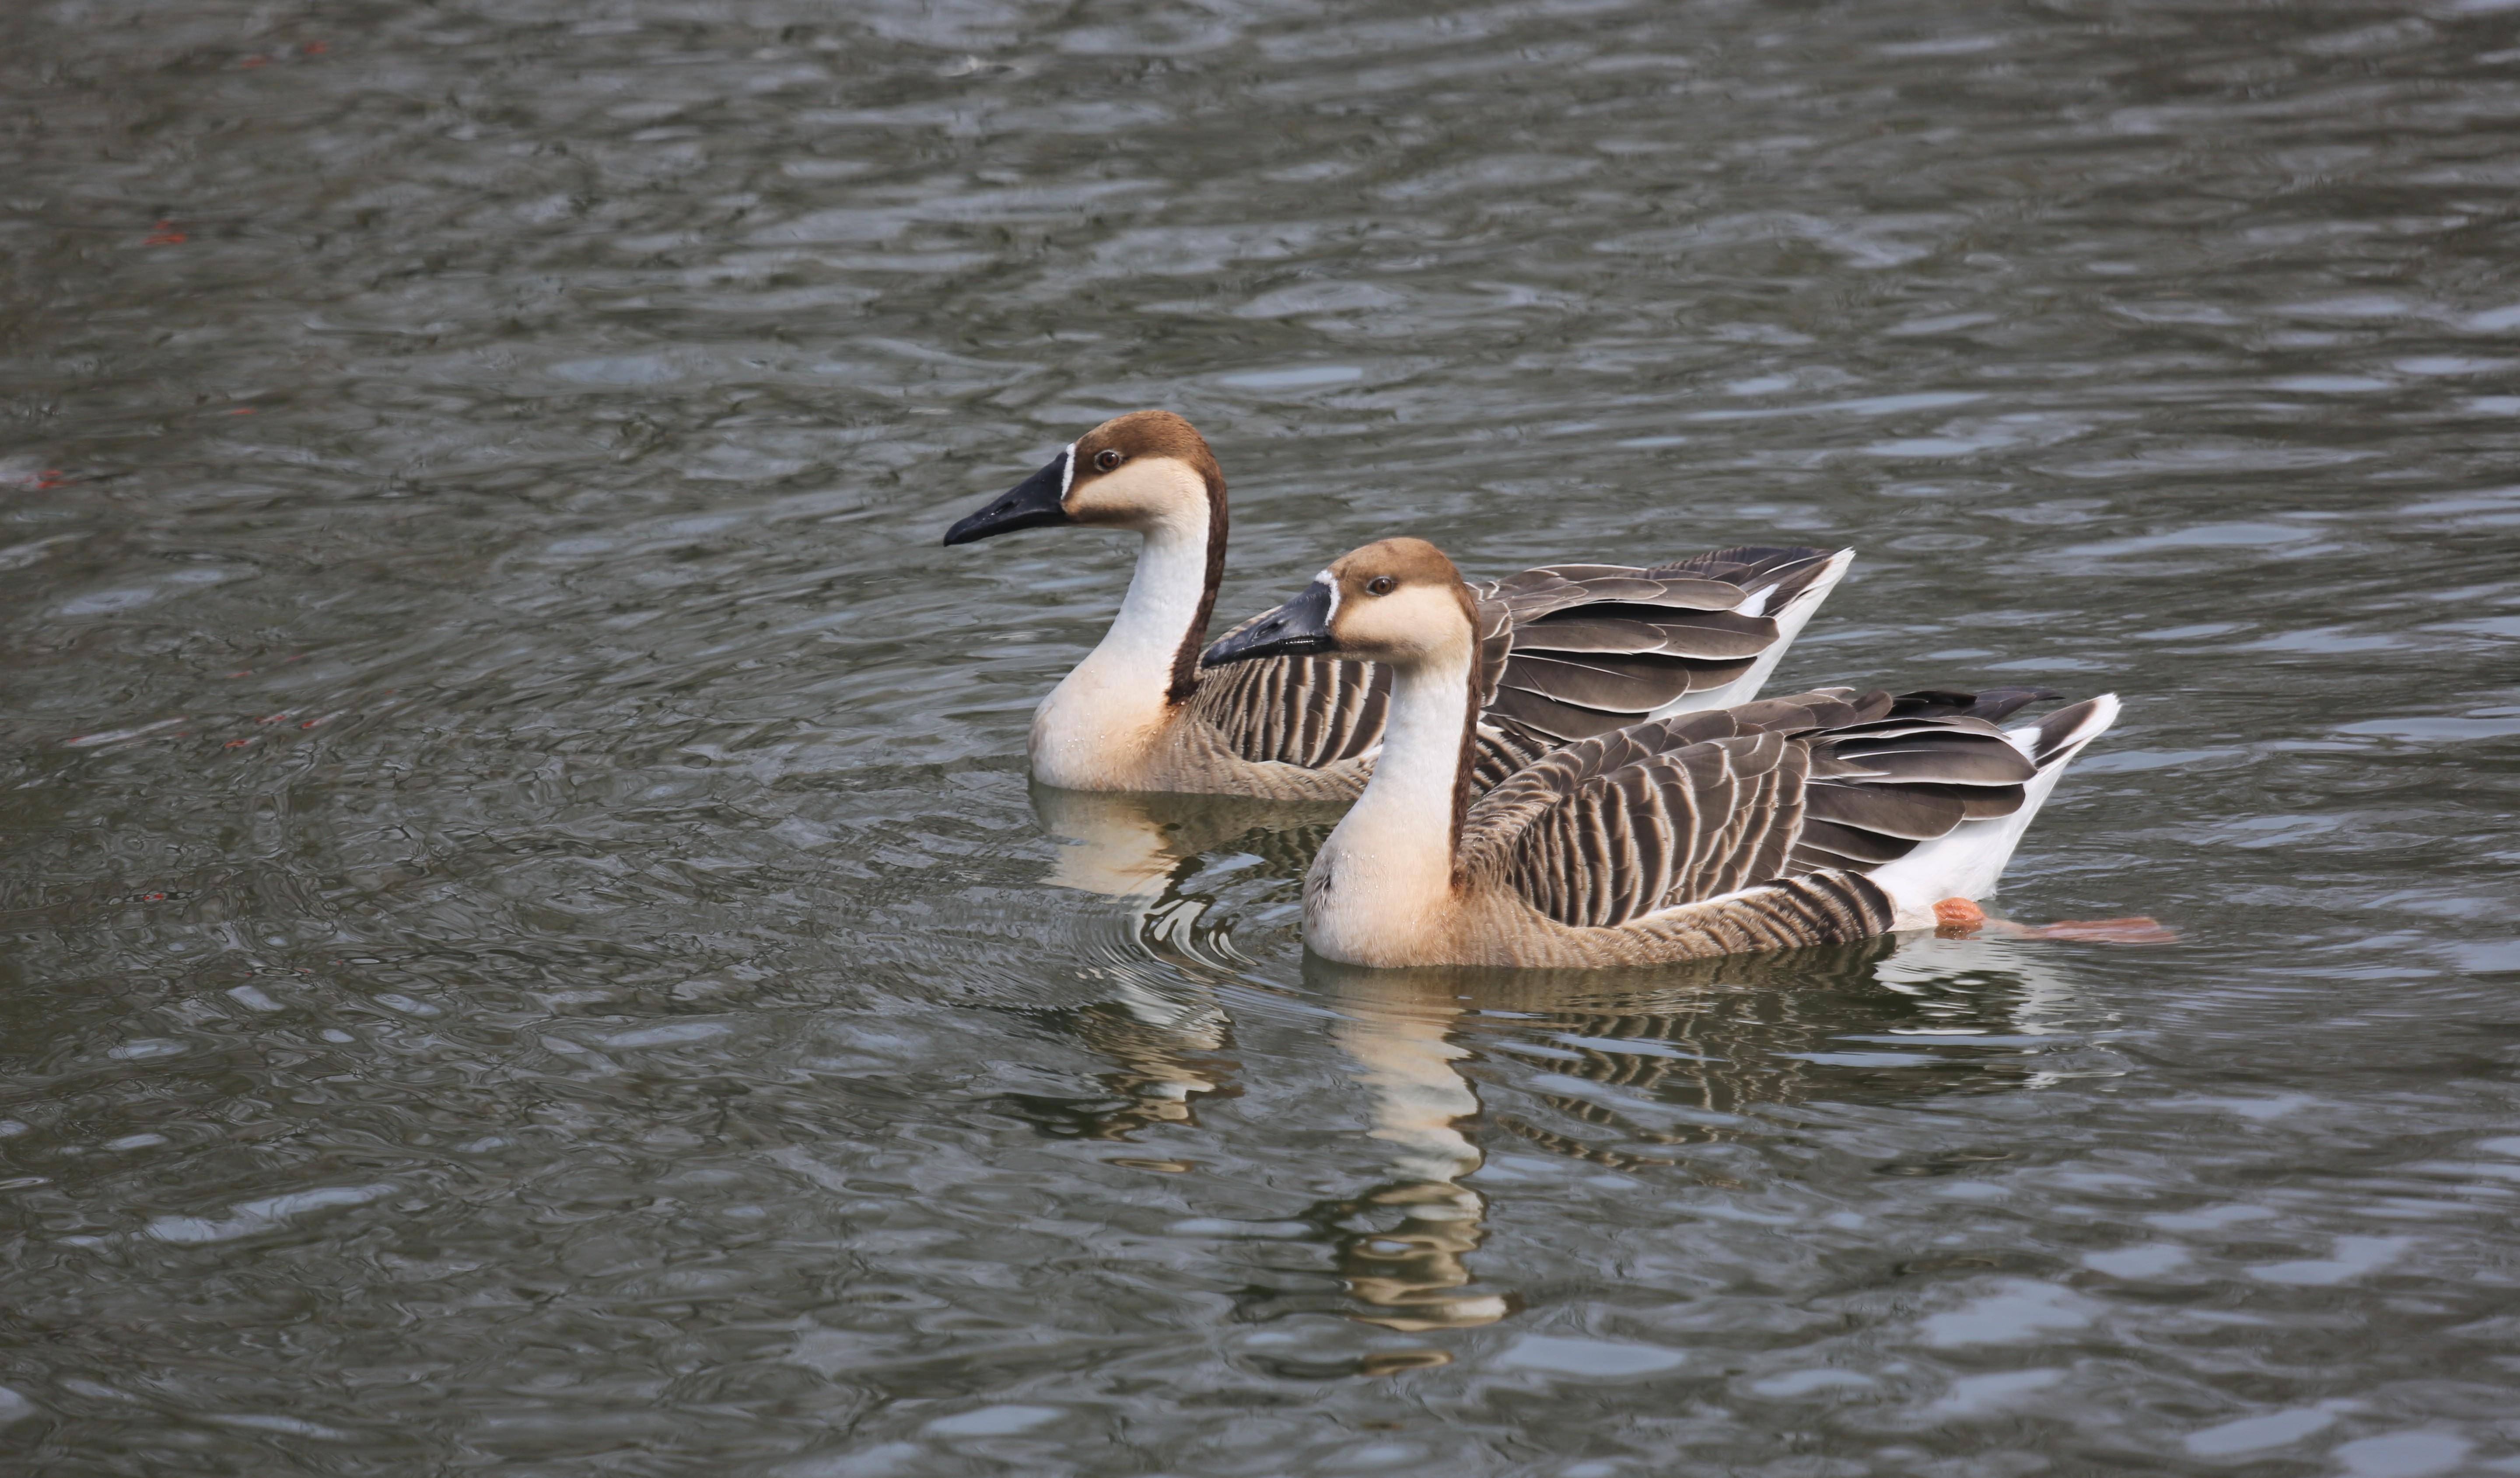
(1380, 585)
(1107, 459)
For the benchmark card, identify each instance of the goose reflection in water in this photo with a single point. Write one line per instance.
(1403, 1247)
(1626, 1069)
(1168, 1038)
(1133, 844)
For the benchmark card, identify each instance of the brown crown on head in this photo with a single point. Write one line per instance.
(1147, 433)
(1410, 562)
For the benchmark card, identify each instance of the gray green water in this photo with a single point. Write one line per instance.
(524, 943)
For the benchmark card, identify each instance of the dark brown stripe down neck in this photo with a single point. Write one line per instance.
(1185, 680)
(1464, 769)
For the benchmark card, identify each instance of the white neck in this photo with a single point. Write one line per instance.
(1114, 702)
(1386, 869)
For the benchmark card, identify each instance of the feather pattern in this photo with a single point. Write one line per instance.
(1608, 829)
(1600, 646)
(1296, 710)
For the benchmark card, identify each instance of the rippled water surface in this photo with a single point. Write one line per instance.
(528, 946)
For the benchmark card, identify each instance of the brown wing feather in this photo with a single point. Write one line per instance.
(1502, 748)
(1308, 711)
(1598, 647)
(1610, 828)
(1670, 829)
(1565, 651)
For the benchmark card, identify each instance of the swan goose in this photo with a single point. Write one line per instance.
(1819, 819)
(1580, 650)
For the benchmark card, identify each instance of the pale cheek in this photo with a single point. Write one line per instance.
(1104, 505)
(1418, 614)
(1132, 496)
(1380, 628)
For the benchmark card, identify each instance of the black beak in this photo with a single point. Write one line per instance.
(1034, 503)
(1302, 626)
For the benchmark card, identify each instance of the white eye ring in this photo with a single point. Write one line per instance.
(1107, 459)
(1380, 585)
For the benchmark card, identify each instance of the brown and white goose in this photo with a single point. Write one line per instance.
(1818, 819)
(1566, 651)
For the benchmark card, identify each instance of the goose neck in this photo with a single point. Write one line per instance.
(1170, 594)
(1113, 709)
(1390, 862)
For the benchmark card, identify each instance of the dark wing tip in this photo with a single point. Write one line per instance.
(1993, 705)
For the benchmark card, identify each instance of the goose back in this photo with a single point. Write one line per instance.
(1600, 646)
(1607, 829)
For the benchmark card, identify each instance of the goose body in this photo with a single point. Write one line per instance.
(1564, 652)
(1823, 818)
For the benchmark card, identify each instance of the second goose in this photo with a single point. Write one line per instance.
(1819, 819)
(1568, 651)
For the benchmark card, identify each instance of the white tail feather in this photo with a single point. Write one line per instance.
(1966, 861)
(1790, 625)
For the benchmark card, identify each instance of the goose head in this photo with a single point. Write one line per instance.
(1398, 601)
(1146, 471)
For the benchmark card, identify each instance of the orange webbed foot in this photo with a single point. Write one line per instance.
(2135, 930)
(1961, 919)
(1958, 918)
